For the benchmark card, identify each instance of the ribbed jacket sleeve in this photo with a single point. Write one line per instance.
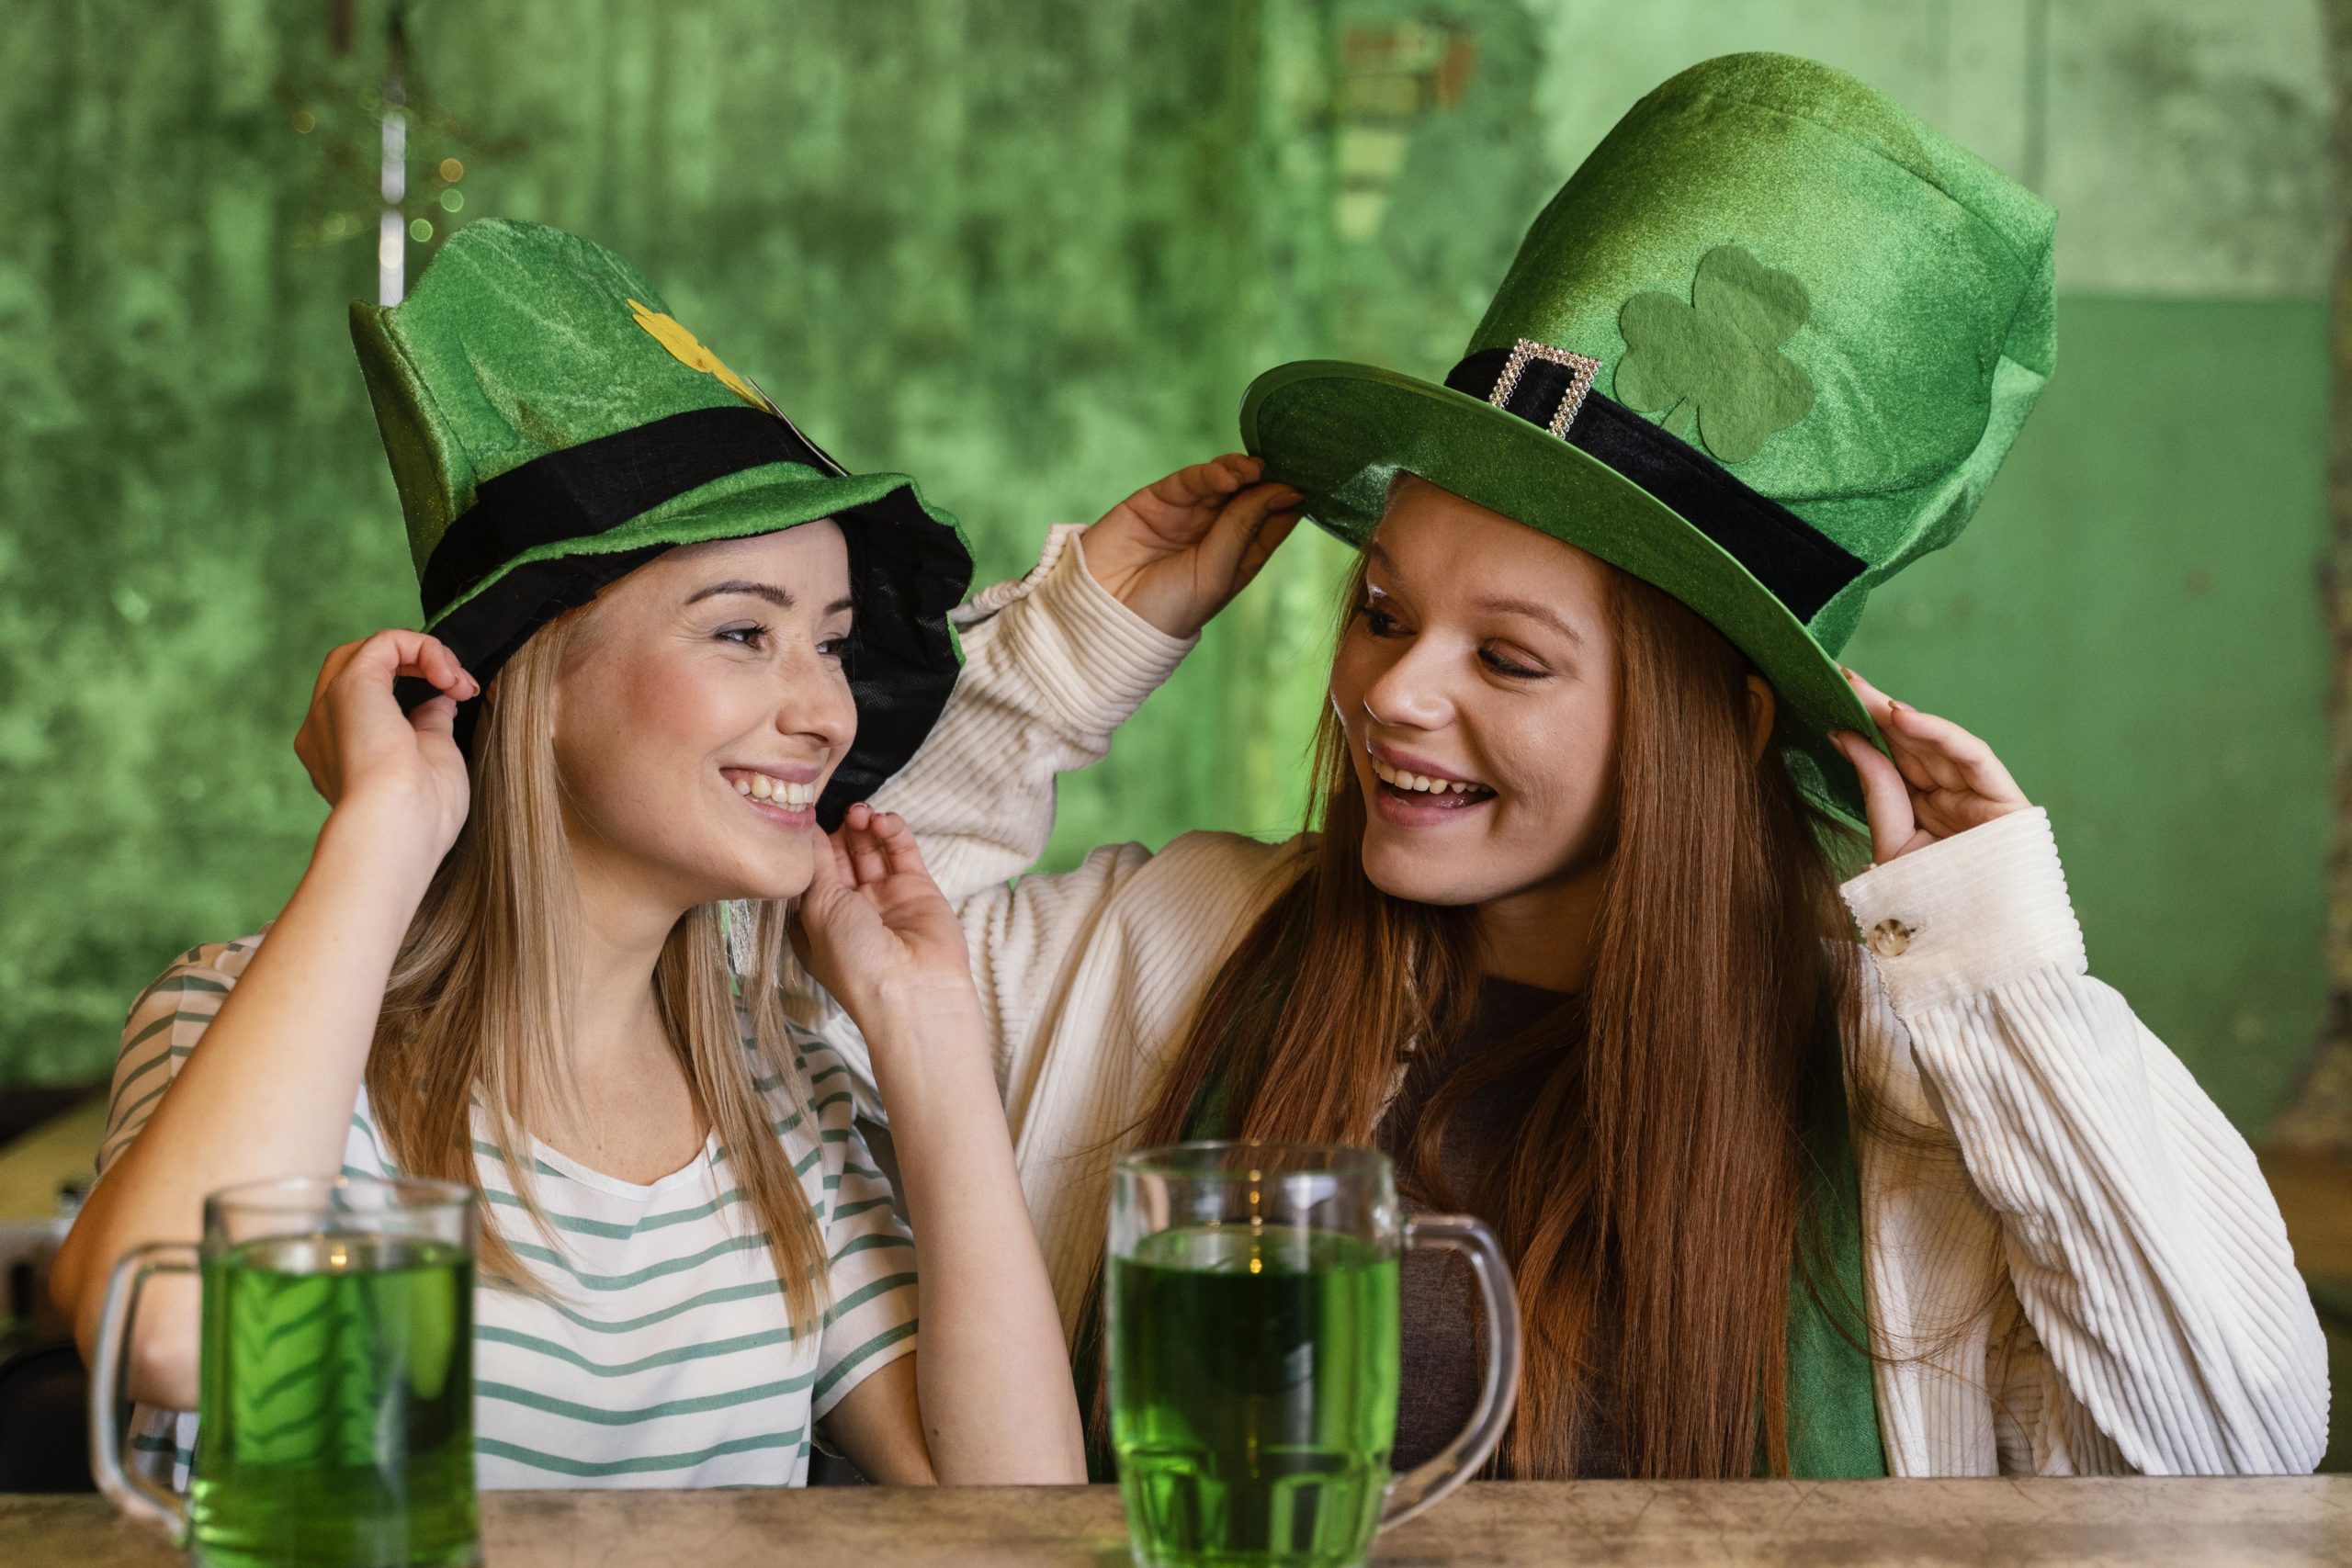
(2142, 1243)
(1087, 976)
(1042, 691)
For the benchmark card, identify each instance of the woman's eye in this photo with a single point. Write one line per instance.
(1379, 622)
(834, 647)
(1502, 666)
(746, 636)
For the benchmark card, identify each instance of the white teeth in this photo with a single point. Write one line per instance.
(775, 791)
(1421, 784)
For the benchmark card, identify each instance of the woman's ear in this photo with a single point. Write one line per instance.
(1760, 711)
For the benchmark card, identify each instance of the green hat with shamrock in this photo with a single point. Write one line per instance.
(1764, 349)
(552, 427)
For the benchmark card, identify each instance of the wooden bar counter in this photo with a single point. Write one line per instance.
(1999, 1524)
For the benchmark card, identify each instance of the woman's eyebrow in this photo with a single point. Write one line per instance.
(773, 595)
(1502, 604)
(1528, 607)
(780, 598)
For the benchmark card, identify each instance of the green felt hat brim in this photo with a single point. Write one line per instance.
(1340, 431)
(909, 566)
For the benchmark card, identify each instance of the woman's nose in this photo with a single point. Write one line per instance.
(817, 704)
(1410, 695)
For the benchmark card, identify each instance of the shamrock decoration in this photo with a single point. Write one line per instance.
(688, 351)
(1715, 362)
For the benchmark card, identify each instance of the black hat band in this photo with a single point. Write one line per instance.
(1802, 568)
(598, 485)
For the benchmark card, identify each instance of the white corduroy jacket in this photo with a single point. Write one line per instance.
(2145, 1311)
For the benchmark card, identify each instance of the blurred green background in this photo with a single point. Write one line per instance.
(1032, 252)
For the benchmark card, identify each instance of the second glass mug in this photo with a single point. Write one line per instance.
(1251, 1305)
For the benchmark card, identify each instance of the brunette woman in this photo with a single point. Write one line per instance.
(1575, 930)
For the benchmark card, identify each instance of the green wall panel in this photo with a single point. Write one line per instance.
(2133, 621)
(190, 514)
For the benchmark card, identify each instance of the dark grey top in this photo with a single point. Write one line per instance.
(1444, 1331)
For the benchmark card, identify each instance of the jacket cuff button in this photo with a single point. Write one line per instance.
(1889, 939)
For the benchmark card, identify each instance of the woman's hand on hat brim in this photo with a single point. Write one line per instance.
(1178, 550)
(1941, 781)
(363, 754)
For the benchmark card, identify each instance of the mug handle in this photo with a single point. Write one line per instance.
(1497, 1393)
(143, 1501)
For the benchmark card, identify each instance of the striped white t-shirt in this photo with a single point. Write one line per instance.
(662, 1354)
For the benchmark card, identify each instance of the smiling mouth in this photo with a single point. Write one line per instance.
(765, 789)
(1420, 789)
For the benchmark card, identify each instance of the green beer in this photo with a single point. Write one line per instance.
(336, 1420)
(1254, 1393)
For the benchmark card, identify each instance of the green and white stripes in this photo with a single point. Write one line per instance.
(658, 1351)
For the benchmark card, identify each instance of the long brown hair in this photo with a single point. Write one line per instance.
(1656, 1180)
(477, 1011)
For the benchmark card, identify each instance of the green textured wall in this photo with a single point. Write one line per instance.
(2133, 621)
(1032, 252)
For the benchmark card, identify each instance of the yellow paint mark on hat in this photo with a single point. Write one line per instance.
(688, 351)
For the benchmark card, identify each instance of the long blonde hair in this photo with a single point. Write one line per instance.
(478, 1008)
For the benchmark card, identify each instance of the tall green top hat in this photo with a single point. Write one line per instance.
(1764, 349)
(551, 427)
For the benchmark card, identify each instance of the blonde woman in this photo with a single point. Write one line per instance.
(667, 638)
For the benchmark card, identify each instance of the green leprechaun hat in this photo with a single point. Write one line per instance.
(551, 427)
(1765, 349)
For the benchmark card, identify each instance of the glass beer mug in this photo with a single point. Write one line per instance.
(335, 1399)
(1252, 1325)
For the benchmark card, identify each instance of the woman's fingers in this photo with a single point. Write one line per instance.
(1267, 540)
(329, 667)
(1921, 763)
(436, 716)
(899, 847)
(1935, 754)
(1238, 542)
(828, 865)
(1886, 798)
(1959, 759)
(1189, 487)
(397, 651)
(867, 863)
(437, 663)
(1951, 780)
(1881, 707)
(350, 717)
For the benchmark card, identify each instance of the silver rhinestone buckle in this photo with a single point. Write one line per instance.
(1581, 369)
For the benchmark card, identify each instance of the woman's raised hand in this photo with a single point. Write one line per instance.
(1176, 552)
(1942, 780)
(874, 929)
(361, 751)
